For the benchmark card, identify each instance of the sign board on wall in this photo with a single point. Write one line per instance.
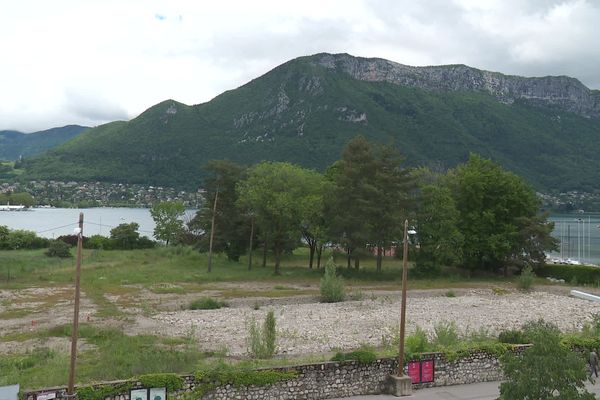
(46, 396)
(148, 394)
(414, 371)
(421, 371)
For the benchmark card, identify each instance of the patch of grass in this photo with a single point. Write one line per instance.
(450, 293)
(167, 289)
(282, 287)
(116, 356)
(499, 291)
(14, 313)
(363, 356)
(207, 303)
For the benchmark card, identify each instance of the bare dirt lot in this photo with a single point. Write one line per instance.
(304, 325)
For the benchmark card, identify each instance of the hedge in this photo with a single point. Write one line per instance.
(581, 273)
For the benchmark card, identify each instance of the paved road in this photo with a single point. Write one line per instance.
(475, 391)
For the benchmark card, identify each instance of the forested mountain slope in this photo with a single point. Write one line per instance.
(304, 111)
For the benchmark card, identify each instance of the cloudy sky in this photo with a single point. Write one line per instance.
(93, 61)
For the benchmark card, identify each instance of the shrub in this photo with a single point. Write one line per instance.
(363, 356)
(582, 273)
(450, 293)
(544, 370)
(332, 286)
(207, 303)
(97, 242)
(513, 336)
(445, 334)
(262, 342)
(526, 278)
(418, 342)
(58, 248)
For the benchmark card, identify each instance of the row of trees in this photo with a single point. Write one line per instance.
(476, 215)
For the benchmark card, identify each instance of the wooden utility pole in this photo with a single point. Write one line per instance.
(75, 333)
(212, 231)
(403, 307)
(251, 237)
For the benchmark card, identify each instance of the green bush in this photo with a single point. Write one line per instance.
(512, 336)
(445, 334)
(582, 273)
(98, 242)
(58, 248)
(363, 356)
(207, 303)
(418, 342)
(526, 278)
(222, 374)
(332, 286)
(262, 342)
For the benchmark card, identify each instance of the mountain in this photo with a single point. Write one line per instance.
(305, 111)
(14, 144)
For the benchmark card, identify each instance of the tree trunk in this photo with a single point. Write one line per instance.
(264, 260)
(277, 259)
(356, 262)
(319, 253)
(250, 249)
(311, 256)
(348, 257)
(379, 257)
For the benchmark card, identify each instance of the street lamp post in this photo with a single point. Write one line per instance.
(403, 306)
(74, 333)
(401, 385)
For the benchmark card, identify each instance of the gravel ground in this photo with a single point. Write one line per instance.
(315, 327)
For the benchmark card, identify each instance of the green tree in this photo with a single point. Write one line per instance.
(167, 216)
(351, 198)
(392, 201)
(368, 199)
(125, 236)
(312, 225)
(276, 194)
(232, 223)
(497, 215)
(546, 370)
(440, 241)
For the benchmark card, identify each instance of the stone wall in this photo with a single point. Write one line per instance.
(333, 379)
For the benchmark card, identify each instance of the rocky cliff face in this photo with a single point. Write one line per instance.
(558, 91)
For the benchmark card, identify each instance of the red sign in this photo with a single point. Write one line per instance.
(427, 371)
(414, 371)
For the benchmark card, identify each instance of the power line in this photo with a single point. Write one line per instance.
(58, 227)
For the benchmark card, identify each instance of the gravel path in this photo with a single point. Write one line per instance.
(316, 327)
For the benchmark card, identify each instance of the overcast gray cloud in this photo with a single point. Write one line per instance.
(68, 61)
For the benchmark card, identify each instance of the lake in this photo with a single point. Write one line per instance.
(579, 233)
(54, 222)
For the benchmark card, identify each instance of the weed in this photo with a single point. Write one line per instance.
(357, 295)
(332, 286)
(499, 291)
(262, 342)
(207, 303)
(526, 278)
(450, 293)
(418, 342)
(445, 334)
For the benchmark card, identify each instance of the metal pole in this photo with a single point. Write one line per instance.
(212, 231)
(403, 310)
(74, 333)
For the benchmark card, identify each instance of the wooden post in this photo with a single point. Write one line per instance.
(403, 308)
(75, 333)
(212, 231)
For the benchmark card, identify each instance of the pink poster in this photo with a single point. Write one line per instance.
(427, 371)
(414, 371)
